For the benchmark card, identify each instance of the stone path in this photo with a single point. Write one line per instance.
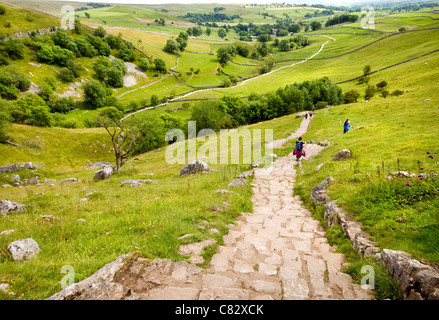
(277, 252)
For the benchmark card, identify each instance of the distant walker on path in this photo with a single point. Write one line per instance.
(346, 126)
(299, 150)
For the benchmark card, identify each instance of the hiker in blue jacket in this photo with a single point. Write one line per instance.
(299, 149)
(346, 126)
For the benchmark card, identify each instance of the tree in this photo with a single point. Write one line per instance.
(160, 65)
(208, 115)
(172, 46)
(5, 120)
(154, 100)
(366, 70)
(2, 11)
(95, 94)
(264, 38)
(87, 15)
(381, 85)
(208, 31)
(222, 33)
(182, 40)
(126, 51)
(315, 25)
(143, 64)
(121, 134)
(370, 92)
(225, 53)
(78, 26)
(100, 32)
(284, 46)
(351, 96)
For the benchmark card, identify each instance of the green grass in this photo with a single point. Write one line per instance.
(25, 20)
(397, 133)
(148, 219)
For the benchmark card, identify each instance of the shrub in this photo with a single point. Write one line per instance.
(95, 94)
(62, 105)
(370, 92)
(382, 84)
(160, 65)
(143, 64)
(397, 92)
(351, 96)
(208, 115)
(2, 10)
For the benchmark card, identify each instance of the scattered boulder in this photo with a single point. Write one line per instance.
(323, 143)
(246, 175)
(222, 191)
(6, 186)
(256, 164)
(236, 183)
(33, 181)
(23, 249)
(136, 183)
(7, 207)
(318, 193)
(4, 287)
(49, 218)
(217, 208)
(16, 167)
(194, 167)
(15, 179)
(399, 174)
(98, 165)
(342, 155)
(104, 173)
(319, 167)
(69, 180)
(49, 180)
(81, 220)
(6, 232)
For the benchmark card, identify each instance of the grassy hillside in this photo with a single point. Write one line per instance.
(19, 20)
(148, 219)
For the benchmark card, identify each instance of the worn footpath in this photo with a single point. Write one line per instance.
(277, 252)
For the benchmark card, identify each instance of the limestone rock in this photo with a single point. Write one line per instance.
(104, 173)
(136, 183)
(69, 180)
(236, 183)
(7, 207)
(319, 167)
(15, 179)
(194, 167)
(417, 279)
(246, 175)
(34, 181)
(342, 155)
(98, 165)
(23, 249)
(105, 274)
(222, 191)
(318, 193)
(195, 248)
(6, 232)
